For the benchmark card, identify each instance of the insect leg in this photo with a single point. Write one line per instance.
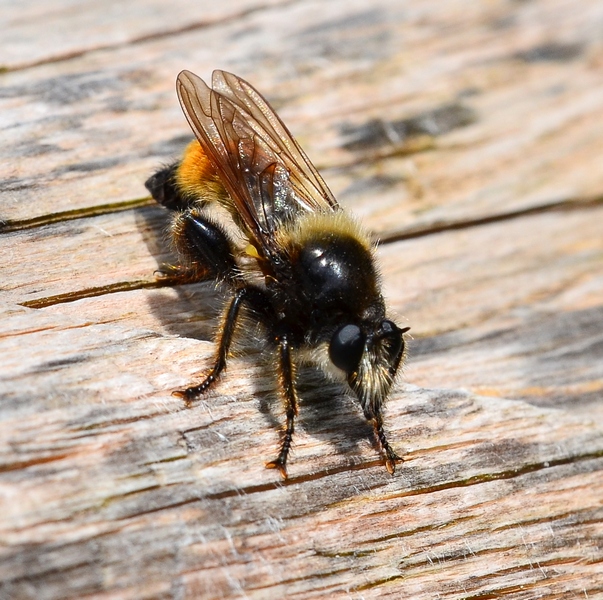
(391, 458)
(286, 376)
(204, 249)
(229, 323)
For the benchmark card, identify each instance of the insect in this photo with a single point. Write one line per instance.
(307, 273)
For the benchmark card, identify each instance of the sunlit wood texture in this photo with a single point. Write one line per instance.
(468, 136)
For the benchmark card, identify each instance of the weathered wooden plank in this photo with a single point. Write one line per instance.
(91, 129)
(144, 455)
(490, 486)
(110, 488)
(73, 28)
(503, 442)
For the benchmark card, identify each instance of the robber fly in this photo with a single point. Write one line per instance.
(308, 272)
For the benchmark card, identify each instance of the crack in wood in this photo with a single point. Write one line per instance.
(568, 204)
(122, 286)
(459, 483)
(71, 215)
(150, 37)
(495, 593)
(501, 475)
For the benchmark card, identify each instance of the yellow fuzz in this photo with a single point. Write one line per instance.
(319, 225)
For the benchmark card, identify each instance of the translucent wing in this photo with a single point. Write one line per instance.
(267, 174)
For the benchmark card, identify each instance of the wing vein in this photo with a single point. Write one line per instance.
(267, 175)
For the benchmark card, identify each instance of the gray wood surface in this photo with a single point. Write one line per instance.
(469, 138)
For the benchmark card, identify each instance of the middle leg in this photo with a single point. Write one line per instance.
(287, 382)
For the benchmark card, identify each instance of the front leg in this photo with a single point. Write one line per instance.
(391, 458)
(286, 370)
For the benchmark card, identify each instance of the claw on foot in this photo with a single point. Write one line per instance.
(185, 395)
(280, 465)
(391, 459)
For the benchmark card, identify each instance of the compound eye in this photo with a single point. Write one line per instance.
(346, 348)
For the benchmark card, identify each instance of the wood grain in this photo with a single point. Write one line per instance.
(468, 137)
(92, 128)
(75, 28)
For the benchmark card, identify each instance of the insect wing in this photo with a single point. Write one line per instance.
(304, 178)
(266, 173)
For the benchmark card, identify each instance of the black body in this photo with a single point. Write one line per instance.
(323, 291)
(309, 273)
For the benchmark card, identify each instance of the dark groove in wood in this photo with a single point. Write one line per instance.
(149, 37)
(71, 215)
(560, 205)
(122, 286)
